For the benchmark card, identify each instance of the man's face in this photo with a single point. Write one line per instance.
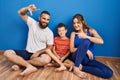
(44, 20)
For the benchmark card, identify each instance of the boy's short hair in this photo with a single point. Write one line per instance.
(61, 25)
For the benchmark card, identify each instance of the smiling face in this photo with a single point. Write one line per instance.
(62, 31)
(44, 20)
(77, 24)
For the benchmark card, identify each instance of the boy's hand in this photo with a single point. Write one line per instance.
(62, 59)
(32, 8)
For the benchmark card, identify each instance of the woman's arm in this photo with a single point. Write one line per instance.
(95, 37)
(72, 47)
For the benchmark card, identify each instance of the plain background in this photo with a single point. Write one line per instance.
(102, 15)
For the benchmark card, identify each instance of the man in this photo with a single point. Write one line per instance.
(40, 37)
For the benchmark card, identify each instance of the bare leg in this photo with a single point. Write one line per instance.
(62, 67)
(1, 52)
(40, 61)
(11, 56)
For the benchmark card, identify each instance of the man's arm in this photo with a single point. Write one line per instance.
(23, 12)
(55, 53)
(41, 51)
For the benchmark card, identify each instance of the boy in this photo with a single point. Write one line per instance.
(61, 46)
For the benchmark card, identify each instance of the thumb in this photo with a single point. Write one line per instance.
(30, 12)
(82, 30)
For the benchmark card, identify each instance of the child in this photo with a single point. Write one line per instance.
(62, 46)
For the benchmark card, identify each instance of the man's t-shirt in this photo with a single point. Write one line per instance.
(38, 38)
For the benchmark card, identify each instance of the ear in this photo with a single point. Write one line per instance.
(83, 22)
(66, 30)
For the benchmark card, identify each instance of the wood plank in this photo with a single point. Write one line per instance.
(49, 73)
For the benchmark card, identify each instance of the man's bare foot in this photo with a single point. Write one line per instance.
(28, 70)
(61, 68)
(15, 67)
(79, 73)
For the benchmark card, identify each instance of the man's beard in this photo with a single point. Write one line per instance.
(42, 26)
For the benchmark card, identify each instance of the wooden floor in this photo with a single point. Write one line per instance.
(48, 73)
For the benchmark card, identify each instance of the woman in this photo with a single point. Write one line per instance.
(82, 47)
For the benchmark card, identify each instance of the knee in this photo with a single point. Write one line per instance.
(72, 64)
(108, 74)
(47, 50)
(46, 58)
(7, 53)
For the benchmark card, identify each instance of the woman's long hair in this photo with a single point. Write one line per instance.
(82, 20)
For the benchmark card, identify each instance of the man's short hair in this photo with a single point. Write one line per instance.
(45, 12)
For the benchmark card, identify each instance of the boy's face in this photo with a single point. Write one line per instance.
(62, 32)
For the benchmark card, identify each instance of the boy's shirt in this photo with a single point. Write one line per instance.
(62, 46)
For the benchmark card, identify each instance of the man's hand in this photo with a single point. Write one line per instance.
(32, 8)
(34, 55)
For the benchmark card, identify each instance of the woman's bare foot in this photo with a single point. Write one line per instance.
(71, 68)
(28, 70)
(15, 67)
(79, 73)
(61, 68)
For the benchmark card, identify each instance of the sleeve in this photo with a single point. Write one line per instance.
(54, 41)
(30, 21)
(50, 38)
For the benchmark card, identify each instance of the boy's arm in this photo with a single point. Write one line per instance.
(65, 56)
(55, 53)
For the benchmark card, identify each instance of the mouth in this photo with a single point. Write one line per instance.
(44, 23)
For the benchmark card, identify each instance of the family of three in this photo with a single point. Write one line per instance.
(76, 53)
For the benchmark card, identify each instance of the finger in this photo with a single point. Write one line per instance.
(77, 33)
(81, 30)
(37, 9)
(31, 13)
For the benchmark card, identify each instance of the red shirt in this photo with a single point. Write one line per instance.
(62, 46)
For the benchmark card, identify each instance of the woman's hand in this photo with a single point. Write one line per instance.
(90, 54)
(81, 34)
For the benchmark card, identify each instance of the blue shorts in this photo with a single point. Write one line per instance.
(24, 54)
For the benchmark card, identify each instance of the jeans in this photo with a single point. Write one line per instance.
(91, 66)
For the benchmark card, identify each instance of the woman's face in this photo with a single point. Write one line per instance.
(77, 24)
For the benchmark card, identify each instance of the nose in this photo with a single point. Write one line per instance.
(75, 24)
